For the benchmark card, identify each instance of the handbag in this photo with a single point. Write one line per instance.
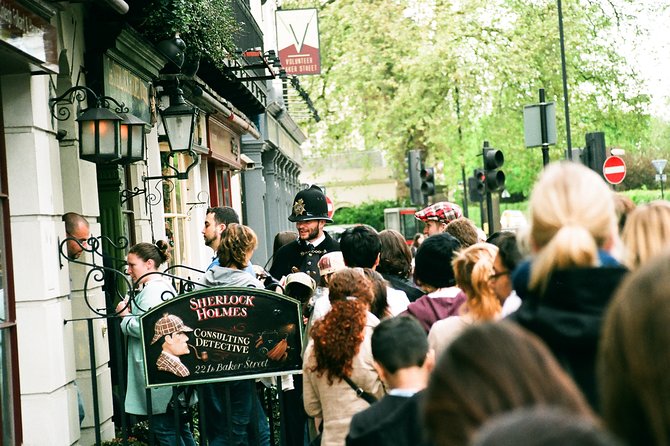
(368, 397)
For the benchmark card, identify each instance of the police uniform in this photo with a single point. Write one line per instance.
(299, 255)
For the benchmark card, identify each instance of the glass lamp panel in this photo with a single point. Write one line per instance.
(87, 140)
(179, 128)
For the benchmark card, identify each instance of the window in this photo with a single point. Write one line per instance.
(223, 188)
(176, 213)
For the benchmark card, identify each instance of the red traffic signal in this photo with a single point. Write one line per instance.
(428, 181)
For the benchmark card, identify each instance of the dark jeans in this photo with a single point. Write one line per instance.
(245, 407)
(163, 428)
(295, 418)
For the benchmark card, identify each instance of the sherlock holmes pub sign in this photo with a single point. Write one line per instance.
(221, 334)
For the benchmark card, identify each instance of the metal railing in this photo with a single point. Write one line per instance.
(133, 430)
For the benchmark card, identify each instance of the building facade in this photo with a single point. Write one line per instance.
(58, 339)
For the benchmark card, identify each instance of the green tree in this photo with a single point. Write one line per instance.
(444, 76)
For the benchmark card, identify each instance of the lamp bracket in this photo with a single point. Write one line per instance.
(178, 175)
(80, 94)
(203, 200)
(255, 59)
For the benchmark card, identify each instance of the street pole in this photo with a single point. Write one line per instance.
(564, 74)
(543, 128)
(662, 196)
(465, 192)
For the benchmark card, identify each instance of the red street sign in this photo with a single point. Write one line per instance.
(331, 207)
(614, 170)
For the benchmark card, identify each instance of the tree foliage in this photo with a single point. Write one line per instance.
(443, 76)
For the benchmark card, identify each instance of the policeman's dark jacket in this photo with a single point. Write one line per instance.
(297, 254)
(568, 316)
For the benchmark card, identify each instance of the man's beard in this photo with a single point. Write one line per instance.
(209, 241)
(312, 234)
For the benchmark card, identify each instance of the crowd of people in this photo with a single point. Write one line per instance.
(555, 334)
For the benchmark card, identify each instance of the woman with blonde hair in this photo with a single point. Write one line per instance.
(568, 282)
(473, 268)
(646, 233)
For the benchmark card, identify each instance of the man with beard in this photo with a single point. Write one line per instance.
(217, 220)
(310, 214)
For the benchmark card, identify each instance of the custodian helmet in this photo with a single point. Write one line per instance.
(310, 204)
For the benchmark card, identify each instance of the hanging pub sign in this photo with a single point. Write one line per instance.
(298, 41)
(221, 334)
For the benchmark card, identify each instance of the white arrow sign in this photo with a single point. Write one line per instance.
(659, 165)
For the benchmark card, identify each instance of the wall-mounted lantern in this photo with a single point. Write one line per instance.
(105, 136)
(179, 122)
(133, 145)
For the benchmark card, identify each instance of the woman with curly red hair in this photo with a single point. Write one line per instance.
(340, 347)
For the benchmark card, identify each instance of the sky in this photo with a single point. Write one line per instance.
(651, 52)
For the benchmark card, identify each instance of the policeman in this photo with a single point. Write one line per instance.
(310, 214)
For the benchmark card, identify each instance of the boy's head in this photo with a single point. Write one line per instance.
(399, 343)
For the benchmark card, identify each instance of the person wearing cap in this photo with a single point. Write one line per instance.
(310, 215)
(172, 330)
(437, 216)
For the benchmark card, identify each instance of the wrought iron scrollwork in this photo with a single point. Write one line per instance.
(102, 265)
(79, 94)
(202, 200)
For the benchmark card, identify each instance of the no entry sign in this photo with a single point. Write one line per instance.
(614, 170)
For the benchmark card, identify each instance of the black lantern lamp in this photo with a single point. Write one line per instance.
(179, 122)
(101, 130)
(99, 135)
(133, 143)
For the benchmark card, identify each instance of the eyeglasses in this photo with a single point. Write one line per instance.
(82, 241)
(500, 274)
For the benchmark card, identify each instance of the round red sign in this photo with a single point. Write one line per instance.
(614, 169)
(331, 207)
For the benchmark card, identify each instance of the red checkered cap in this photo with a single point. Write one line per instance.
(168, 324)
(443, 211)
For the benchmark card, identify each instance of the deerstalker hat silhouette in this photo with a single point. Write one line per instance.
(168, 324)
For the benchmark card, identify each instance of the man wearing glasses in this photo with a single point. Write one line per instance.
(77, 229)
(506, 260)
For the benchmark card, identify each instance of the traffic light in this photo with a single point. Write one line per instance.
(428, 181)
(494, 177)
(477, 186)
(413, 181)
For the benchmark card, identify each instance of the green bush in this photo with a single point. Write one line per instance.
(371, 213)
